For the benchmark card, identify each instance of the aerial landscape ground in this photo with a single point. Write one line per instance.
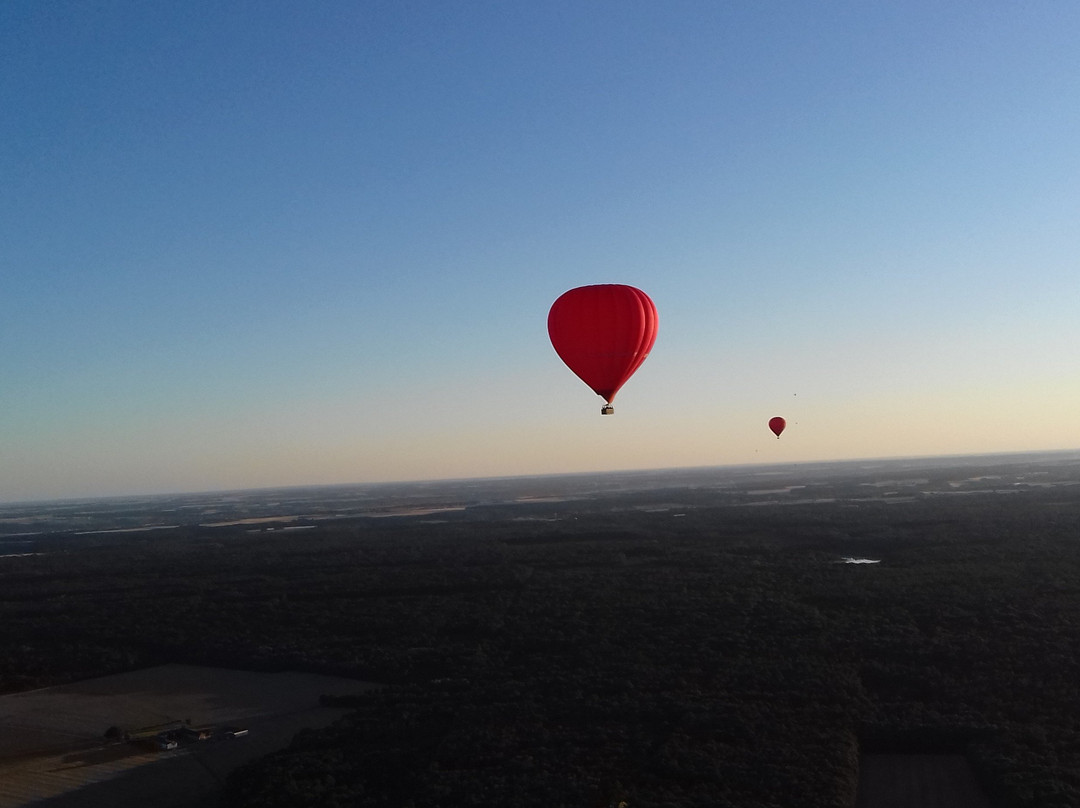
(870, 634)
(52, 744)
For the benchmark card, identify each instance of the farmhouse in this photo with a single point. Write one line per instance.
(165, 742)
(194, 734)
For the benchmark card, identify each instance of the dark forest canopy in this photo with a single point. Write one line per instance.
(686, 646)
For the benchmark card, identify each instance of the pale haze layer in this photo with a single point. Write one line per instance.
(267, 243)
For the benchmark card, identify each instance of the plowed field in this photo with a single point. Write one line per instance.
(52, 743)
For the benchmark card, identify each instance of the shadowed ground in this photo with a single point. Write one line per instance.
(918, 781)
(51, 740)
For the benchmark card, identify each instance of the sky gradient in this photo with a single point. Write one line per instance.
(275, 243)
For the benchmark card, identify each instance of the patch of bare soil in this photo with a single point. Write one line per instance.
(53, 751)
(918, 781)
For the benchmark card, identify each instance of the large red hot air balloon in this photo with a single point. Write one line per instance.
(777, 425)
(603, 333)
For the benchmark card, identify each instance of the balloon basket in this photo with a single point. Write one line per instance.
(607, 409)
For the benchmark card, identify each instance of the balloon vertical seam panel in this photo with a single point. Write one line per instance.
(649, 331)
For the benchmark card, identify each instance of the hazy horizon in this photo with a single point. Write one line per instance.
(793, 466)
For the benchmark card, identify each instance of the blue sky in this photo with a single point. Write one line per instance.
(274, 243)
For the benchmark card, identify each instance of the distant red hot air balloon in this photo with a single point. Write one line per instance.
(777, 425)
(603, 333)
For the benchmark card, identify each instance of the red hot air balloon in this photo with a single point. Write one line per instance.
(603, 333)
(777, 425)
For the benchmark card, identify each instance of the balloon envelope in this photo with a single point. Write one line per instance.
(777, 425)
(603, 333)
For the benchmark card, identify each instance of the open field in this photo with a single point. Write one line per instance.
(52, 750)
(918, 781)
